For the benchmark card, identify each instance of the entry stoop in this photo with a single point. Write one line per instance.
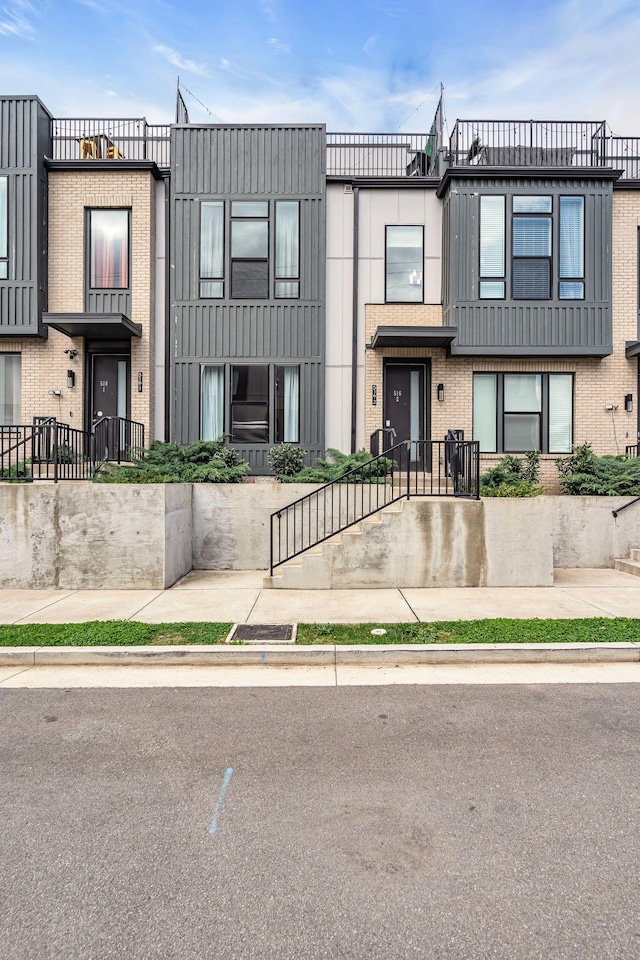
(631, 564)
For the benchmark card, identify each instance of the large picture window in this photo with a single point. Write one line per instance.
(404, 265)
(262, 405)
(518, 412)
(109, 249)
(250, 250)
(10, 388)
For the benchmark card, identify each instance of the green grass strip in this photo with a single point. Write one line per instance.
(118, 633)
(592, 630)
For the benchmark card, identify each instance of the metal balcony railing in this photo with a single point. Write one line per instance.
(110, 139)
(528, 143)
(381, 154)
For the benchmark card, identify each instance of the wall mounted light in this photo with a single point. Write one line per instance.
(72, 353)
(628, 402)
(71, 379)
(55, 393)
(441, 392)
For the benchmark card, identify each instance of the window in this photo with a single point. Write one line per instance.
(492, 259)
(10, 388)
(212, 249)
(531, 248)
(517, 412)
(287, 248)
(250, 250)
(571, 282)
(4, 228)
(109, 249)
(212, 406)
(533, 260)
(404, 264)
(256, 389)
(250, 403)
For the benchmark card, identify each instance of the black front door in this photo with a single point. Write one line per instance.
(404, 405)
(109, 398)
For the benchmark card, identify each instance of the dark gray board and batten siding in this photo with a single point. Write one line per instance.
(235, 163)
(25, 140)
(519, 327)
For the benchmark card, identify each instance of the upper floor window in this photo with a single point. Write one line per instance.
(4, 228)
(109, 249)
(404, 264)
(537, 224)
(249, 251)
(10, 388)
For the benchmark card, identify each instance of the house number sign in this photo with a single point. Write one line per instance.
(104, 384)
(396, 395)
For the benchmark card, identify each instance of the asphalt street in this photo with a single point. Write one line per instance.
(356, 823)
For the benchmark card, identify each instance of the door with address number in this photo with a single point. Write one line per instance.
(109, 395)
(404, 405)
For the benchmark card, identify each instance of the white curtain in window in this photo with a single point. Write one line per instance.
(492, 238)
(10, 389)
(287, 246)
(212, 240)
(291, 404)
(212, 386)
(572, 237)
(560, 412)
(3, 216)
(485, 394)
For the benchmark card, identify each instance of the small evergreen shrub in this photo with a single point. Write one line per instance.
(513, 477)
(585, 474)
(286, 460)
(337, 464)
(206, 461)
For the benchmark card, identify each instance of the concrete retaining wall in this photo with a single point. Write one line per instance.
(90, 536)
(82, 536)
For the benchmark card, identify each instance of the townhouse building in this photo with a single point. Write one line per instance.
(275, 283)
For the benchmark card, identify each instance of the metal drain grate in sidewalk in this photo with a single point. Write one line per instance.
(263, 633)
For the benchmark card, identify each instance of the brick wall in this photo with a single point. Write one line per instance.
(44, 363)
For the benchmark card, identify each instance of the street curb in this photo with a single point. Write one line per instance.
(368, 655)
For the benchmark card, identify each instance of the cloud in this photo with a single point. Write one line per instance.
(369, 47)
(14, 19)
(110, 93)
(177, 60)
(278, 45)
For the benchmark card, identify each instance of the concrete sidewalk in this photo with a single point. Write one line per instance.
(238, 597)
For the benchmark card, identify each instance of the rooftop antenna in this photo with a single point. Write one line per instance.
(210, 112)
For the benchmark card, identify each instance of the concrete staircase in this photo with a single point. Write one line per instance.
(314, 569)
(630, 565)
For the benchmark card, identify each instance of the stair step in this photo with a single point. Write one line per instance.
(634, 553)
(628, 566)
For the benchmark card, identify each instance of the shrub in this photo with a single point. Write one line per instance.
(513, 477)
(338, 464)
(585, 474)
(286, 460)
(206, 461)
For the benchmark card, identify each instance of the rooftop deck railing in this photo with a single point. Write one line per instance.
(110, 139)
(381, 154)
(528, 143)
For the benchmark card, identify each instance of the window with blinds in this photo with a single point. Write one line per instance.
(531, 248)
(492, 248)
(518, 412)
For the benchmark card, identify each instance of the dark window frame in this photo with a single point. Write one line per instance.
(561, 279)
(4, 232)
(202, 277)
(544, 406)
(242, 260)
(386, 247)
(277, 279)
(532, 257)
(12, 353)
(88, 262)
(481, 278)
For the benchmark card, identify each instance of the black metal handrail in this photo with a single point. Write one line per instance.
(50, 450)
(437, 468)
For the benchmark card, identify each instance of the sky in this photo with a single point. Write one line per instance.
(352, 64)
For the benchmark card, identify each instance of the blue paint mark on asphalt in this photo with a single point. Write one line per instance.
(223, 790)
(263, 657)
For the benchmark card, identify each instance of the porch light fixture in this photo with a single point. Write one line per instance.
(628, 402)
(441, 392)
(71, 379)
